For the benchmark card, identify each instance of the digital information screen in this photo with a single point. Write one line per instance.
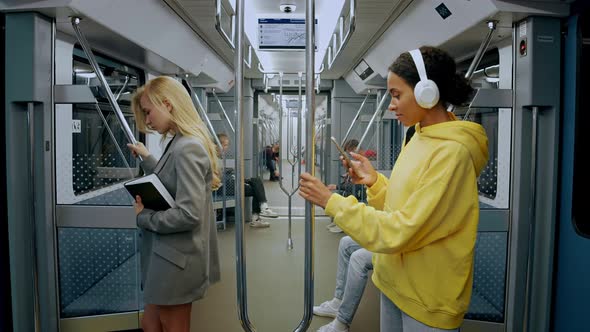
(281, 33)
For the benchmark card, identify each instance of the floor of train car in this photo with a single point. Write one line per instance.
(275, 281)
(275, 274)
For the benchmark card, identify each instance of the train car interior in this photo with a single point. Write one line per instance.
(278, 88)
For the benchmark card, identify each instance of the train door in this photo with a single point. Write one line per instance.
(572, 269)
(71, 229)
(97, 240)
(518, 187)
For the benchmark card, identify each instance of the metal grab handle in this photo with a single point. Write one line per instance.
(296, 156)
(224, 112)
(230, 40)
(266, 76)
(343, 38)
(92, 59)
(122, 88)
(201, 110)
(203, 114)
(476, 60)
(358, 113)
(379, 110)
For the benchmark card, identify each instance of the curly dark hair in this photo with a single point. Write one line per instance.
(350, 145)
(441, 68)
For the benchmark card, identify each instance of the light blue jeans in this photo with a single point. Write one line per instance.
(395, 320)
(354, 264)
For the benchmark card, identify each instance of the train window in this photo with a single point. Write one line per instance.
(488, 180)
(493, 182)
(100, 160)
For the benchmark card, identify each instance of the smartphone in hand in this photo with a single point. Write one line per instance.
(344, 155)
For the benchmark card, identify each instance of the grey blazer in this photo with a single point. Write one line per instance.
(178, 246)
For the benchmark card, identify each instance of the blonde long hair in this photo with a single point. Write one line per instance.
(183, 115)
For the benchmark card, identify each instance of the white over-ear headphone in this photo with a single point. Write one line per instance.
(425, 91)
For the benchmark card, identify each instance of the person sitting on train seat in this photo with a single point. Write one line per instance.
(271, 157)
(253, 187)
(354, 264)
(346, 187)
(179, 257)
(351, 145)
(421, 223)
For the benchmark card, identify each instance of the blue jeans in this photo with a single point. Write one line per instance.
(395, 320)
(354, 264)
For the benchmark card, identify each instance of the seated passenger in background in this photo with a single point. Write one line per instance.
(271, 158)
(346, 187)
(253, 188)
(351, 145)
(354, 264)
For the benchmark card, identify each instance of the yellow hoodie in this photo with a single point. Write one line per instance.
(422, 222)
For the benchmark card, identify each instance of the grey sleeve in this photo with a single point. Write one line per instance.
(148, 164)
(192, 165)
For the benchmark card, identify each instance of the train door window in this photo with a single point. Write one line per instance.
(580, 219)
(493, 182)
(100, 159)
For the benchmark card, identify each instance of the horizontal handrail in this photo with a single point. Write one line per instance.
(274, 72)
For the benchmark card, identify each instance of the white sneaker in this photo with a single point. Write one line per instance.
(267, 212)
(259, 224)
(331, 328)
(326, 309)
(330, 225)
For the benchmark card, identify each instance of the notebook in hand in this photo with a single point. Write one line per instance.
(153, 194)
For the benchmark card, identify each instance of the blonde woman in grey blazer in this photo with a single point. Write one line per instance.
(179, 254)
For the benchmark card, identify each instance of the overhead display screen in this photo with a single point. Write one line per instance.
(281, 33)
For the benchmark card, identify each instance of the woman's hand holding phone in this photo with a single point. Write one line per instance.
(360, 169)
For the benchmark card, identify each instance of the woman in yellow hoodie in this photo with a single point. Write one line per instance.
(421, 223)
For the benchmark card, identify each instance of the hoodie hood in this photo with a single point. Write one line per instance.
(469, 134)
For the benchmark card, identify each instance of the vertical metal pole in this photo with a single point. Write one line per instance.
(532, 213)
(239, 153)
(310, 161)
(33, 221)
